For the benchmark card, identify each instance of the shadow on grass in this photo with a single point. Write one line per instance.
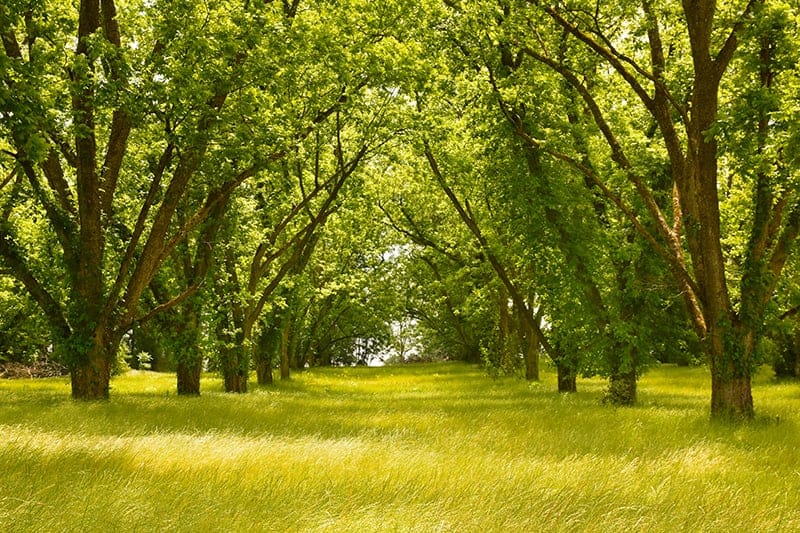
(415, 404)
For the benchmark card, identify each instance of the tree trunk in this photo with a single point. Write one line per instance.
(731, 367)
(567, 380)
(731, 397)
(264, 373)
(566, 368)
(90, 372)
(529, 340)
(621, 389)
(234, 371)
(285, 348)
(265, 348)
(532, 360)
(233, 359)
(186, 328)
(90, 381)
(188, 375)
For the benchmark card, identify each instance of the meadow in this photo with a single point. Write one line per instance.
(415, 448)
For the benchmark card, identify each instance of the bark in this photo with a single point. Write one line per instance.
(234, 376)
(188, 375)
(232, 328)
(186, 332)
(531, 344)
(90, 363)
(264, 373)
(731, 396)
(730, 379)
(285, 331)
(90, 381)
(234, 363)
(621, 389)
(567, 378)
(265, 349)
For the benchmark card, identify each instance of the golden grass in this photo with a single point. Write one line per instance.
(421, 448)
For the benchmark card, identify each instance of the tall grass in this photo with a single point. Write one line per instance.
(422, 448)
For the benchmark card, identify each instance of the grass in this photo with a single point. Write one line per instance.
(419, 448)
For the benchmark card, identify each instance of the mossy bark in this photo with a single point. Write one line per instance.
(621, 389)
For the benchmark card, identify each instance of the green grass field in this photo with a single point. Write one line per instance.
(417, 448)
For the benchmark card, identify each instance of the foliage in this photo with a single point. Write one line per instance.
(243, 184)
(24, 335)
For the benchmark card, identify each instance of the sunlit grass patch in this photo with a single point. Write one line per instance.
(420, 448)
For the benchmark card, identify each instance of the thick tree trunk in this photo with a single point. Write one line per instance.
(90, 381)
(234, 371)
(624, 357)
(264, 373)
(731, 368)
(186, 328)
(731, 397)
(90, 372)
(236, 383)
(188, 375)
(621, 389)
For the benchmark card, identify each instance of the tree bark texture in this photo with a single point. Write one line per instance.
(188, 376)
(90, 379)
